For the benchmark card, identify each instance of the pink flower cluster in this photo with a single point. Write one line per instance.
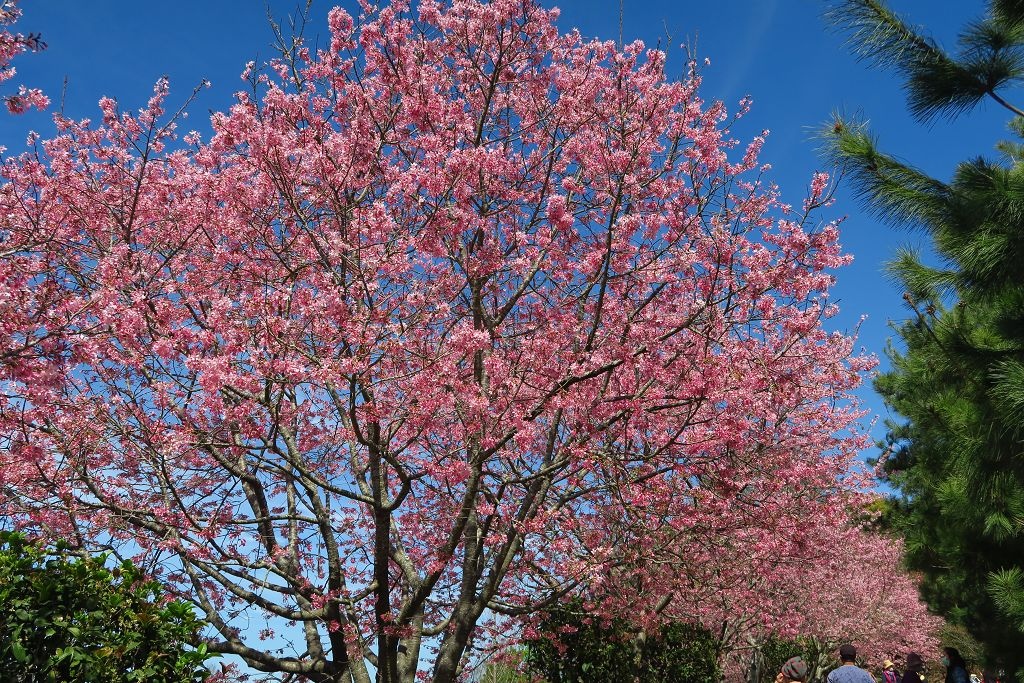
(447, 319)
(12, 45)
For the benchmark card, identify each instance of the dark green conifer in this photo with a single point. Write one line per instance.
(957, 377)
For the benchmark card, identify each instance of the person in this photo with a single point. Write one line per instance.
(889, 672)
(915, 669)
(794, 670)
(848, 671)
(956, 667)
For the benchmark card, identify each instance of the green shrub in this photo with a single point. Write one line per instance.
(66, 620)
(575, 647)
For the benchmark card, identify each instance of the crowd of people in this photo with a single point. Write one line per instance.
(796, 670)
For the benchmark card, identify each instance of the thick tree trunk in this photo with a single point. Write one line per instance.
(409, 652)
(454, 645)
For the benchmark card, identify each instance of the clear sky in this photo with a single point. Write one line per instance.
(778, 51)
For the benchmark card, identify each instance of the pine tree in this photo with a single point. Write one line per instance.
(957, 372)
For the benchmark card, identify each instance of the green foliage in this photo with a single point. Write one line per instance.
(575, 647)
(507, 671)
(954, 635)
(768, 659)
(938, 83)
(1007, 589)
(958, 368)
(579, 648)
(681, 652)
(501, 673)
(64, 620)
(958, 457)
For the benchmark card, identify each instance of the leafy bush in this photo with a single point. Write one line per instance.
(575, 647)
(770, 656)
(65, 619)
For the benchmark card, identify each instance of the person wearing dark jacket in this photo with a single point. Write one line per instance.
(914, 672)
(956, 667)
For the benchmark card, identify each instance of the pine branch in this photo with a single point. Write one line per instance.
(937, 84)
(893, 191)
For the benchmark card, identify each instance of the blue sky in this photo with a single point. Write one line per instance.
(778, 51)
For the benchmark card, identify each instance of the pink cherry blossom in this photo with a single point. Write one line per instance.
(445, 321)
(12, 45)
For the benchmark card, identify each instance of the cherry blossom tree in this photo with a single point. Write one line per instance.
(865, 595)
(440, 317)
(788, 558)
(852, 587)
